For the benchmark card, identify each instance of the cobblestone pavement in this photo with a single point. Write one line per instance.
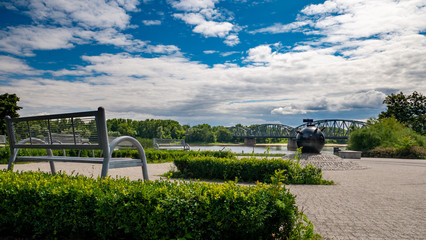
(385, 201)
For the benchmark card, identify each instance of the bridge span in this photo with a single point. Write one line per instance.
(332, 129)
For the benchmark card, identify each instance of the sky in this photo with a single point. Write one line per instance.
(212, 61)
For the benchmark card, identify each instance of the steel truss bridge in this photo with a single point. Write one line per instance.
(332, 129)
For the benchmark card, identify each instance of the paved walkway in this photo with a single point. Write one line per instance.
(385, 201)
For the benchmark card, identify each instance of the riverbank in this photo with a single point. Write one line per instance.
(275, 148)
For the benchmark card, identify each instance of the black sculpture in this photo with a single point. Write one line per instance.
(311, 138)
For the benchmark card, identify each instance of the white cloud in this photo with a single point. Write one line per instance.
(343, 20)
(151, 22)
(369, 99)
(208, 28)
(113, 37)
(281, 28)
(232, 40)
(11, 65)
(260, 54)
(208, 21)
(191, 18)
(194, 5)
(87, 14)
(166, 49)
(225, 54)
(288, 110)
(214, 29)
(209, 51)
(60, 24)
(23, 40)
(175, 87)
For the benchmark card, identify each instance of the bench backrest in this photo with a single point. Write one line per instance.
(81, 130)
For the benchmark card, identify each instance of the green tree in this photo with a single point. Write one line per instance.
(409, 110)
(8, 107)
(224, 135)
(202, 133)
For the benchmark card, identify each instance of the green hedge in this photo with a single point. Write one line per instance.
(42, 206)
(248, 169)
(153, 156)
(413, 152)
(157, 156)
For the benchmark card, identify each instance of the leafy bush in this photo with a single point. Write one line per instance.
(414, 152)
(386, 132)
(39, 205)
(247, 169)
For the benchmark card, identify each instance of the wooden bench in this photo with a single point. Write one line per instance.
(40, 132)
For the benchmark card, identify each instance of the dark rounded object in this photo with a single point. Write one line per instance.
(311, 139)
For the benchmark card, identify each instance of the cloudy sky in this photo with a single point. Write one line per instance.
(220, 62)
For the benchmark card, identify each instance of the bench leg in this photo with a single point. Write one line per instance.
(52, 167)
(144, 169)
(13, 154)
(105, 166)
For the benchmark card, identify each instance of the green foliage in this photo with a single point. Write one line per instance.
(169, 129)
(8, 107)
(160, 156)
(387, 137)
(409, 110)
(363, 139)
(152, 156)
(200, 133)
(224, 135)
(149, 128)
(414, 152)
(4, 155)
(248, 170)
(384, 132)
(146, 142)
(42, 206)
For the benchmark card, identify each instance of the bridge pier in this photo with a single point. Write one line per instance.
(292, 144)
(251, 142)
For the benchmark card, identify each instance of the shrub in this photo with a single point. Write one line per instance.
(387, 132)
(39, 205)
(153, 156)
(363, 139)
(414, 152)
(248, 169)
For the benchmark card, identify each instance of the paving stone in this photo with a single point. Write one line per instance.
(385, 200)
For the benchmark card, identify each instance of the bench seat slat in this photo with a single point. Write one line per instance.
(73, 159)
(120, 163)
(58, 159)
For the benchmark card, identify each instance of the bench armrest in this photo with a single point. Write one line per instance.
(138, 146)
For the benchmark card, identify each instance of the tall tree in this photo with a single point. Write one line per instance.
(410, 110)
(8, 107)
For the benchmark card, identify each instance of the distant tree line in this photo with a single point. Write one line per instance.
(155, 128)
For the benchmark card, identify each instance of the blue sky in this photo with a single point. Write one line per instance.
(212, 61)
